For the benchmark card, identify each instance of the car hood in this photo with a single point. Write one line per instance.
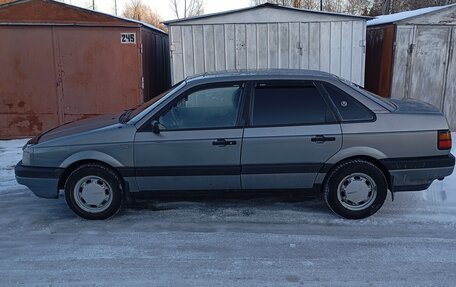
(414, 106)
(80, 126)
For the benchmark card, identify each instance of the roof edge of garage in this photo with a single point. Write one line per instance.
(84, 10)
(269, 5)
(406, 15)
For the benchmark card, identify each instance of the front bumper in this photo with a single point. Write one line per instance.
(414, 174)
(42, 181)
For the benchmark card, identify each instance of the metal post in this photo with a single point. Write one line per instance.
(321, 5)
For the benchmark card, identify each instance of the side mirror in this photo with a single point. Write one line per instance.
(155, 127)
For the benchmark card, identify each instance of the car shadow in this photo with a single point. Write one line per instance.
(229, 199)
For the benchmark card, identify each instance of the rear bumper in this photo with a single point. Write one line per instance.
(42, 181)
(414, 174)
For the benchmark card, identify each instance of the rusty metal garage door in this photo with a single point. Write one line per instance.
(27, 81)
(53, 75)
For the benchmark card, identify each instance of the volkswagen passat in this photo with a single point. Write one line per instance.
(283, 129)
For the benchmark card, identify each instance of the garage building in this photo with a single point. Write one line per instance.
(413, 55)
(60, 63)
(268, 36)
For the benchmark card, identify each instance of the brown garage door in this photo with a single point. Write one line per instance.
(27, 81)
(52, 75)
(99, 74)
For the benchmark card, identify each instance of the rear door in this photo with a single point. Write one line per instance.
(292, 132)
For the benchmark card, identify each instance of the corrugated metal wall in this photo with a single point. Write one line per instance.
(337, 47)
(425, 66)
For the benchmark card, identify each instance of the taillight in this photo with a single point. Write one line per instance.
(444, 139)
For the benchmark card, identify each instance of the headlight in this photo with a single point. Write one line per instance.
(27, 155)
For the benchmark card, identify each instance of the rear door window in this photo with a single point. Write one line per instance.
(349, 108)
(289, 103)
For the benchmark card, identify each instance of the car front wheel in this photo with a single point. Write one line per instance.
(355, 189)
(93, 191)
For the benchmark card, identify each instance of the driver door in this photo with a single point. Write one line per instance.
(198, 145)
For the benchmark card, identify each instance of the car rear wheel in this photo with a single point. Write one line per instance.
(355, 189)
(93, 191)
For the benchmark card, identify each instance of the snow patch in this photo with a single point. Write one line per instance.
(10, 154)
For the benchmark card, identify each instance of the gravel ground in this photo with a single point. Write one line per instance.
(231, 242)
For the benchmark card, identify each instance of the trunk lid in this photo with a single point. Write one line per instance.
(414, 107)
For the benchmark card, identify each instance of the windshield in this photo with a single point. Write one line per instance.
(376, 98)
(137, 110)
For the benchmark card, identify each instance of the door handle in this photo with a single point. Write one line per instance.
(322, 139)
(223, 142)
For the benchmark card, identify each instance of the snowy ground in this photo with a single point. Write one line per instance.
(232, 242)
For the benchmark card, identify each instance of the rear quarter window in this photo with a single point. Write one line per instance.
(349, 109)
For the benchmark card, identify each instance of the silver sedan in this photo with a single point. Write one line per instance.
(276, 130)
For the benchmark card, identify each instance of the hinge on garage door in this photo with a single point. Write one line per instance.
(142, 83)
(362, 44)
(299, 47)
(141, 49)
(410, 49)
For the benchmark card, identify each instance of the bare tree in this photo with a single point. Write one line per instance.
(328, 5)
(277, 2)
(138, 10)
(186, 8)
(333, 6)
(380, 7)
(376, 8)
(358, 7)
(90, 5)
(411, 5)
(310, 4)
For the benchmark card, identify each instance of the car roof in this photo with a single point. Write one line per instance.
(259, 74)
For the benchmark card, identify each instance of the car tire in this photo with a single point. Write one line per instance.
(355, 189)
(94, 191)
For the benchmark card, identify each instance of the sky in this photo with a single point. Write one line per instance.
(162, 6)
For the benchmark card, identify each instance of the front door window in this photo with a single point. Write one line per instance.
(215, 107)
